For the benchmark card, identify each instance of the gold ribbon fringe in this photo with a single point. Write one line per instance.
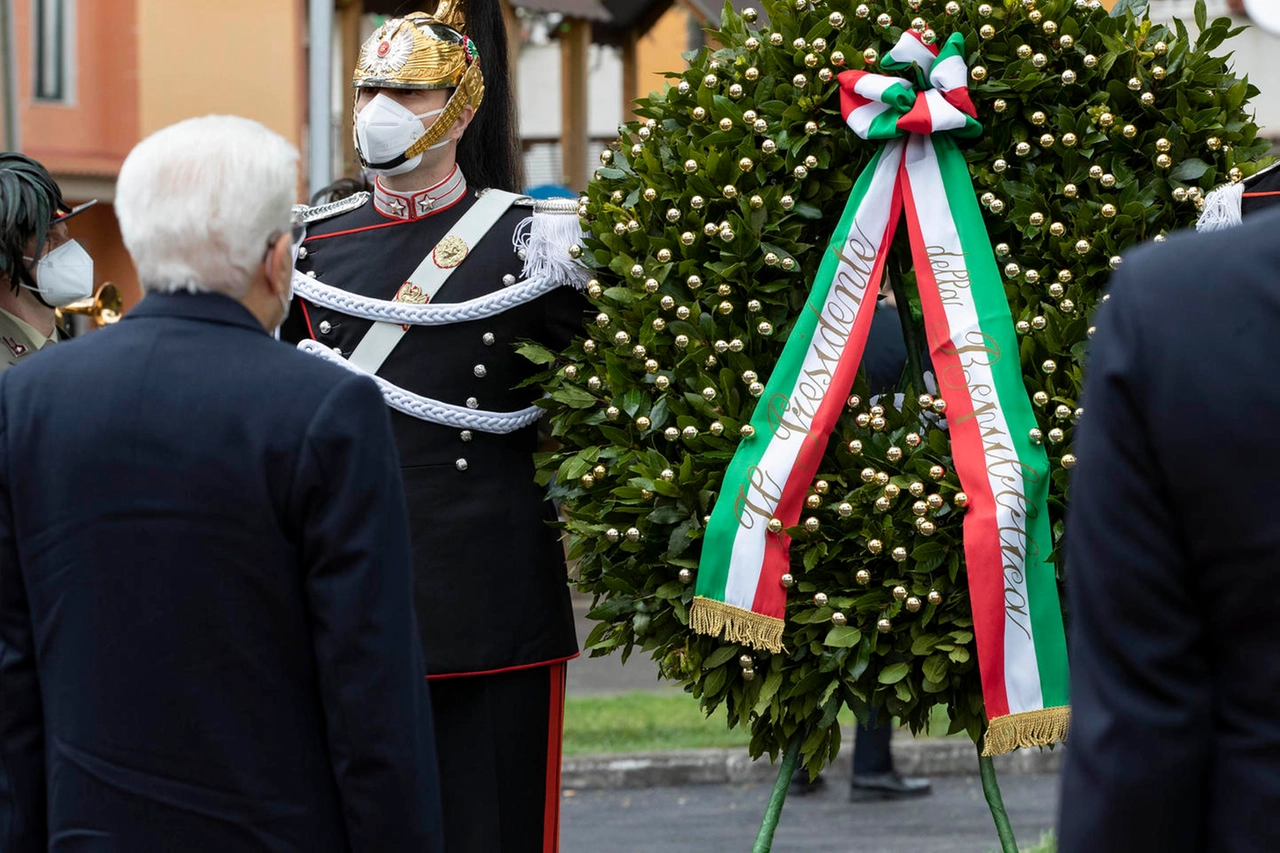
(1030, 728)
(711, 617)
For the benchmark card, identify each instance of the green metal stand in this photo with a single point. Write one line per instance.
(991, 787)
(764, 840)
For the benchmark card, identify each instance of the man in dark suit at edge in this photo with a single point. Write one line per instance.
(1172, 535)
(207, 641)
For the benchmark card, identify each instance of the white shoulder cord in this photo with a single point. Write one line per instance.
(440, 314)
(427, 409)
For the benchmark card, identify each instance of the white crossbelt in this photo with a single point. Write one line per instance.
(377, 343)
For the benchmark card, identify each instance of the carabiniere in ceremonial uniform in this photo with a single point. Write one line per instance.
(430, 292)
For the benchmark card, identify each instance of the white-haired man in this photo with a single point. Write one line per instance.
(206, 636)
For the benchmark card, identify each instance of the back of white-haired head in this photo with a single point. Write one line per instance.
(198, 201)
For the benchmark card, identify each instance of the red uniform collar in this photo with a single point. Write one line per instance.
(420, 204)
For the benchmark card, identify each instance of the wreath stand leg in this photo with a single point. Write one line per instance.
(991, 788)
(790, 758)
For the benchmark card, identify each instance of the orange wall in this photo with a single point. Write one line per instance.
(240, 57)
(659, 51)
(99, 231)
(92, 134)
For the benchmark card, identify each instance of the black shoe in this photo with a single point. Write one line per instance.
(803, 786)
(886, 786)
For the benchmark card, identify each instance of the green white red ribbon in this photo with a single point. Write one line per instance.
(919, 171)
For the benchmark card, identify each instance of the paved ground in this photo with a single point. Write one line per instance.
(716, 818)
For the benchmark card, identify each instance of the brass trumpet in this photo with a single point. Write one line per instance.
(104, 307)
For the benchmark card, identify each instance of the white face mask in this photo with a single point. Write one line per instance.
(384, 131)
(63, 276)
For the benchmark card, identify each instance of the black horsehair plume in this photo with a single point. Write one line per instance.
(29, 201)
(489, 153)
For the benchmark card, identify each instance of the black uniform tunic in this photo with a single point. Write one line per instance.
(491, 592)
(491, 587)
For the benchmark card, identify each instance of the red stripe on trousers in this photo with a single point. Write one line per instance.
(555, 735)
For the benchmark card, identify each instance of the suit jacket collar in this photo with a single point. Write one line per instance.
(204, 307)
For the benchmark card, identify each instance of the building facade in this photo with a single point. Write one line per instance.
(90, 78)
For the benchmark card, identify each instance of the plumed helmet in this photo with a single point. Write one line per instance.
(421, 51)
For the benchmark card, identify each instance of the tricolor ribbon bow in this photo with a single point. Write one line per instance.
(879, 107)
(919, 171)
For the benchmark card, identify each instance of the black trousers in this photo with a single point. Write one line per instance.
(498, 738)
(871, 748)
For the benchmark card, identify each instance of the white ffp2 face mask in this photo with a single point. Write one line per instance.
(63, 276)
(384, 131)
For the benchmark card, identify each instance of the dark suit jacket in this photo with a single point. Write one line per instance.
(206, 639)
(1173, 545)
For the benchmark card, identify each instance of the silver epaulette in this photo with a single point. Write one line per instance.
(322, 212)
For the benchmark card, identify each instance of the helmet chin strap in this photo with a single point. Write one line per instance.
(404, 158)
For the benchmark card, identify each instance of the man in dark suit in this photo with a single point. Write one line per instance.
(1172, 542)
(206, 632)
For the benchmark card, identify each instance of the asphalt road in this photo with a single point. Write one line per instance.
(725, 819)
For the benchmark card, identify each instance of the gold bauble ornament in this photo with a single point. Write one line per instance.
(820, 599)
(935, 597)
(899, 554)
(839, 619)
(875, 546)
(900, 593)
(788, 580)
(961, 500)
(747, 431)
(633, 534)
(845, 509)
(884, 626)
(863, 577)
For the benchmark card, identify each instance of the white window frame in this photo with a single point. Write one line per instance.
(53, 51)
(1167, 10)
